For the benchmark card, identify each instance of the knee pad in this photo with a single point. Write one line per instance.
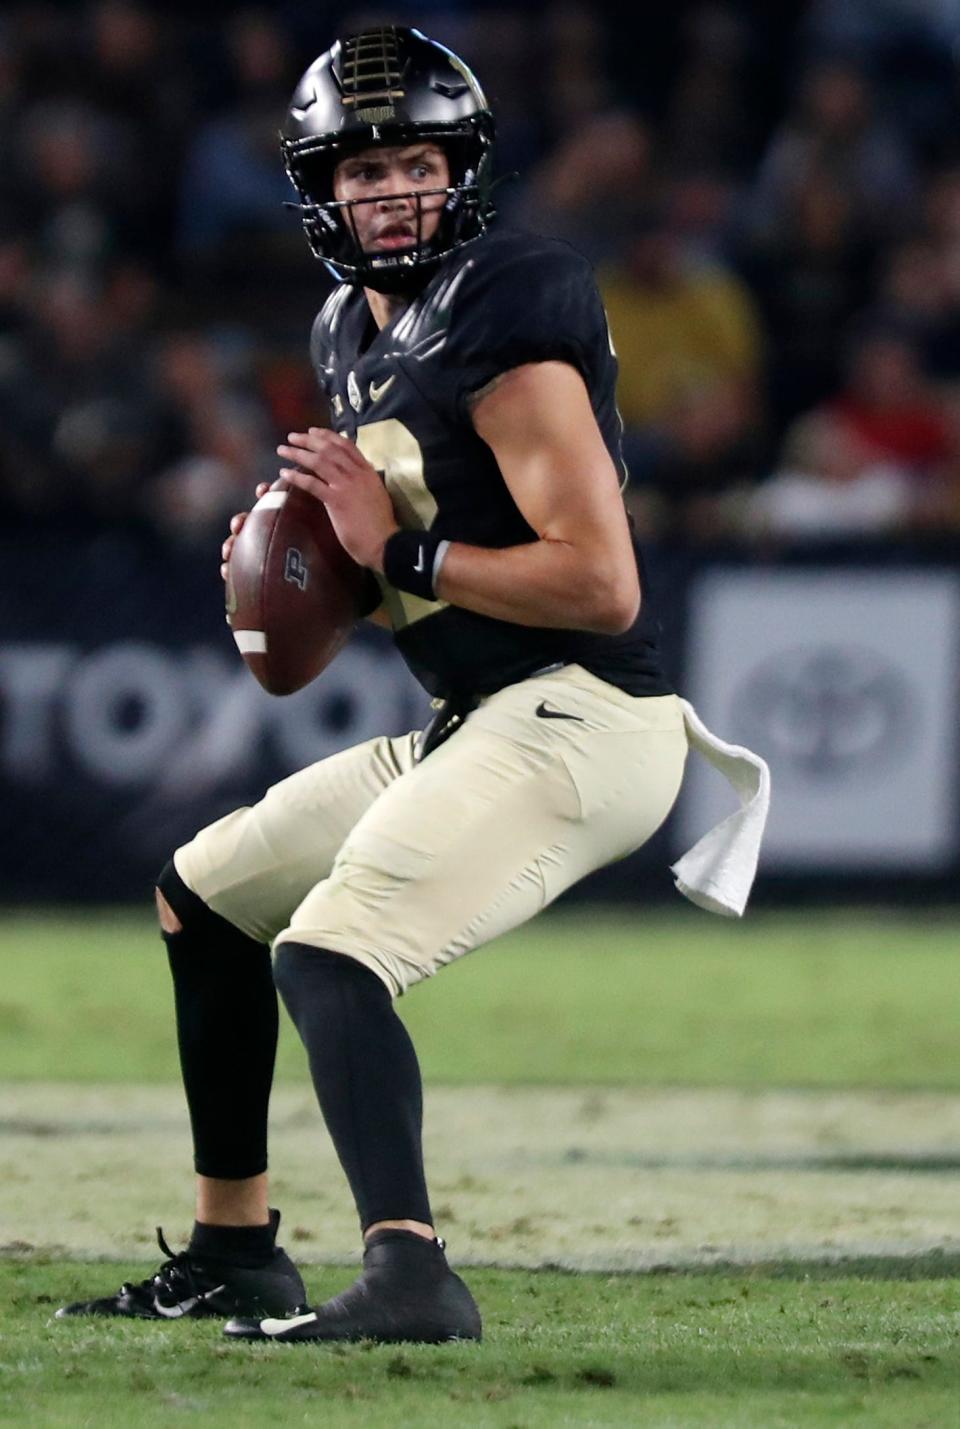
(195, 916)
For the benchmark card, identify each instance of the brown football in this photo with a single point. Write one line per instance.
(293, 593)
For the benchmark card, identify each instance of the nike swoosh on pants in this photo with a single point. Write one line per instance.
(543, 712)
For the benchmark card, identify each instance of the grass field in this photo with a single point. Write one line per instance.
(744, 1139)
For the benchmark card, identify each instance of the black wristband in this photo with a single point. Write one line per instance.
(410, 560)
(371, 596)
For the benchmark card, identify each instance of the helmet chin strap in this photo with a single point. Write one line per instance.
(391, 278)
(396, 281)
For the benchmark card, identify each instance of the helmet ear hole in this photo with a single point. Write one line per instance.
(313, 176)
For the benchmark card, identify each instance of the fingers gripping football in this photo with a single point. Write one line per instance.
(236, 526)
(330, 468)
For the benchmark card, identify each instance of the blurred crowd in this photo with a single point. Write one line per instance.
(770, 194)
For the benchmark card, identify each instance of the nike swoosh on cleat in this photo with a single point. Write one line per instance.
(544, 712)
(276, 1327)
(420, 566)
(176, 1312)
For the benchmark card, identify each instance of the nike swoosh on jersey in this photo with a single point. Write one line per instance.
(377, 392)
(183, 1307)
(544, 712)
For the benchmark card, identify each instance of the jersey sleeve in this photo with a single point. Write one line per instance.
(535, 305)
(323, 335)
(320, 351)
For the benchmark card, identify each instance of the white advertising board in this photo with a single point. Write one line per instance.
(846, 682)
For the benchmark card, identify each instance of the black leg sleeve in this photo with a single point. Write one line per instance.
(226, 1008)
(366, 1077)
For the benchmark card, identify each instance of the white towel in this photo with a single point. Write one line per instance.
(718, 872)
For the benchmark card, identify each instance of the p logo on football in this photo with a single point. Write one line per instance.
(295, 569)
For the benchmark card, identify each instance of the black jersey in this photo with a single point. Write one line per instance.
(402, 393)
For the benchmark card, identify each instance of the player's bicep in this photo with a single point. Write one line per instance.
(539, 424)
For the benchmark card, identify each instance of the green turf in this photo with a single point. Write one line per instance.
(816, 1000)
(819, 999)
(826, 1347)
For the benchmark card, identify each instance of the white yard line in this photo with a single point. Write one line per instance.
(590, 1179)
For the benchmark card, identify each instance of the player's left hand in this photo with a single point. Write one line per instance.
(331, 468)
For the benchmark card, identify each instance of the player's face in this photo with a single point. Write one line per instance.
(382, 183)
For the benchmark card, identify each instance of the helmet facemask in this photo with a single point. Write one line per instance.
(330, 223)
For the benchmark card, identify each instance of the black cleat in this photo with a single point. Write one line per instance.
(187, 1287)
(405, 1292)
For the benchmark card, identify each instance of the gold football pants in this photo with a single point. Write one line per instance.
(407, 866)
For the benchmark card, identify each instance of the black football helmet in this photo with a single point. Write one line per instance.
(388, 86)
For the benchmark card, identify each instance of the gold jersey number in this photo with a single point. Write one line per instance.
(394, 450)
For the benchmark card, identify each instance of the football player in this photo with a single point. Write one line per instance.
(473, 467)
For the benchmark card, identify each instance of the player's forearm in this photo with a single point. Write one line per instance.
(544, 583)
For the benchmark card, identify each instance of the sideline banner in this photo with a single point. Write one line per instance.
(846, 682)
(128, 720)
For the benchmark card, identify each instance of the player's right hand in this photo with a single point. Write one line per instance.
(236, 526)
